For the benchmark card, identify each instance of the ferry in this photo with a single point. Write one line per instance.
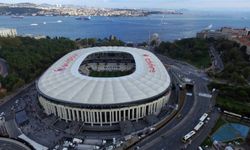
(34, 24)
(17, 17)
(83, 18)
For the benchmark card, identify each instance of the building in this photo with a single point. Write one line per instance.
(104, 86)
(206, 34)
(241, 36)
(235, 32)
(244, 41)
(223, 33)
(5, 32)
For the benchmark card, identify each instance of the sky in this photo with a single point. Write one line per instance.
(168, 4)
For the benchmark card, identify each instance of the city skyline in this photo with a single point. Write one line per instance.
(168, 4)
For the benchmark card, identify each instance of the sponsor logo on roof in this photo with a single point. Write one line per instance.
(149, 62)
(66, 63)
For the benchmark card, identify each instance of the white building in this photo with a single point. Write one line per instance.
(68, 91)
(5, 32)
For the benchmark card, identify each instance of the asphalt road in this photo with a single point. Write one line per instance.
(217, 62)
(9, 144)
(169, 136)
(161, 138)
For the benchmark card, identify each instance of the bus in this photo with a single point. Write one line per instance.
(198, 126)
(188, 136)
(200, 148)
(232, 114)
(203, 117)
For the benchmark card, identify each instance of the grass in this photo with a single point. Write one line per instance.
(232, 105)
(207, 142)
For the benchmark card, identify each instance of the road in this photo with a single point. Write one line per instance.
(169, 136)
(9, 144)
(217, 62)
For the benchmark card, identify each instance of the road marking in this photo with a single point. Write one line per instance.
(189, 94)
(205, 95)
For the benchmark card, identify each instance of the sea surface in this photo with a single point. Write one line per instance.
(129, 29)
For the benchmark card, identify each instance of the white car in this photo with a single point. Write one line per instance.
(2, 114)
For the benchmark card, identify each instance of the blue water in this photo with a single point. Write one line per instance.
(230, 131)
(130, 29)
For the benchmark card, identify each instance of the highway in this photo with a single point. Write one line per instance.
(169, 136)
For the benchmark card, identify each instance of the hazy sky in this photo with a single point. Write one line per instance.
(191, 4)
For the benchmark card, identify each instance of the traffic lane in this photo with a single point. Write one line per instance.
(173, 139)
(203, 106)
(202, 134)
(217, 57)
(187, 104)
(184, 67)
(5, 145)
(190, 73)
(172, 125)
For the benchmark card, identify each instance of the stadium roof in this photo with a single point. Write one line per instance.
(63, 82)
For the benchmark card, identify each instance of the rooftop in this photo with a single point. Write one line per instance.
(64, 83)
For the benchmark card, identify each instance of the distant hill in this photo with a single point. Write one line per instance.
(5, 10)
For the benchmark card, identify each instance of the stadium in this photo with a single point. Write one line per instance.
(104, 86)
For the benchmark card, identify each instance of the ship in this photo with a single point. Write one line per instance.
(83, 18)
(209, 27)
(34, 24)
(17, 17)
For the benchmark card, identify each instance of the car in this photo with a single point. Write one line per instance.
(179, 116)
(2, 114)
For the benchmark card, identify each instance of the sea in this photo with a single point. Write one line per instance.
(129, 29)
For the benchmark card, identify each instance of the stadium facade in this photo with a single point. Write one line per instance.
(104, 85)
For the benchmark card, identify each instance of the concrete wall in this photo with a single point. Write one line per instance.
(103, 116)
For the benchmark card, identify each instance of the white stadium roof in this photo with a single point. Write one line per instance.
(63, 82)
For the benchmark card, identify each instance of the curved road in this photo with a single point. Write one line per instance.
(169, 136)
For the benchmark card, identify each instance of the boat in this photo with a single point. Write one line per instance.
(17, 17)
(59, 21)
(34, 24)
(209, 27)
(44, 23)
(83, 18)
